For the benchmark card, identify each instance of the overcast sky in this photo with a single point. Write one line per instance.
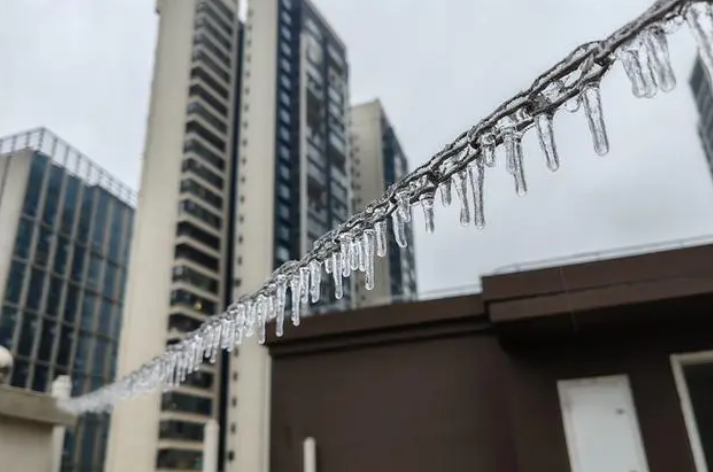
(83, 69)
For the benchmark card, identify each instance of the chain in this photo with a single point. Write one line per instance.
(562, 83)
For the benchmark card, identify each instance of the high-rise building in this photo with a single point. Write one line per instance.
(182, 250)
(294, 174)
(378, 162)
(703, 95)
(65, 226)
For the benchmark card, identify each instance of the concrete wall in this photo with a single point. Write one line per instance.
(14, 172)
(134, 428)
(368, 178)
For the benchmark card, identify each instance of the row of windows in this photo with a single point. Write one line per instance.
(181, 430)
(192, 165)
(191, 208)
(183, 273)
(183, 403)
(194, 188)
(197, 90)
(190, 230)
(196, 147)
(182, 323)
(207, 135)
(97, 212)
(219, 89)
(180, 297)
(217, 12)
(179, 459)
(205, 26)
(198, 109)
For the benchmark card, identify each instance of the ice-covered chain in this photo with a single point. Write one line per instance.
(573, 83)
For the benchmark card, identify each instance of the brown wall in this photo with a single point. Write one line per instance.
(440, 386)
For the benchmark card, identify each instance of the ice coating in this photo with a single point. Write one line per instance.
(380, 229)
(487, 149)
(593, 110)
(460, 180)
(295, 299)
(315, 278)
(657, 45)
(546, 137)
(513, 153)
(369, 238)
(446, 192)
(476, 175)
(426, 200)
(398, 225)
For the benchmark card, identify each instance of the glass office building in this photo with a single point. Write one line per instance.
(66, 226)
(703, 96)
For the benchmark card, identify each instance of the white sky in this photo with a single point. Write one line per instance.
(83, 69)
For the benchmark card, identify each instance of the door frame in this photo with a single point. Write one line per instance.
(694, 438)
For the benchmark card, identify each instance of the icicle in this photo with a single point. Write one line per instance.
(368, 239)
(647, 70)
(304, 285)
(345, 242)
(270, 304)
(250, 320)
(513, 154)
(572, 105)
(657, 45)
(337, 270)
(261, 318)
(224, 333)
(315, 272)
(547, 140)
(361, 250)
(216, 343)
(446, 193)
(380, 228)
(699, 17)
(354, 255)
(240, 323)
(280, 302)
(487, 149)
(461, 183)
(476, 174)
(399, 228)
(404, 205)
(426, 200)
(296, 297)
(630, 60)
(593, 110)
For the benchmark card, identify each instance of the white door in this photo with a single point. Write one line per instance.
(600, 424)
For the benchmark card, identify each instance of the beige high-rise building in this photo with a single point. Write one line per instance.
(378, 162)
(182, 245)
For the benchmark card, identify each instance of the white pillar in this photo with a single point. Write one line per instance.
(309, 455)
(210, 446)
(61, 389)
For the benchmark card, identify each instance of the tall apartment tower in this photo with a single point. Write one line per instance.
(65, 226)
(378, 162)
(182, 248)
(295, 181)
(703, 95)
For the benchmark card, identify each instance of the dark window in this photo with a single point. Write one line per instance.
(192, 231)
(194, 188)
(193, 277)
(15, 280)
(197, 90)
(186, 403)
(61, 255)
(47, 336)
(29, 331)
(94, 271)
(110, 276)
(85, 215)
(212, 157)
(203, 172)
(181, 430)
(54, 295)
(42, 247)
(66, 339)
(70, 303)
(20, 373)
(199, 73)
(199, 379)
(100, 220)
(54, 189)
(34, 290)
(105, 318)
(206, 41)
(99, 355)
(87, 320)
(39, 381)
(197, 211)
(78, 263)
(34, 185)
(182, 323)
(203, 132)
(116, 234)
(217, 13)
(8, 322)
(116, 321)
(182, 297)
(198, 109)
(207, 27)
(179, 459)
(81, 359)
(71, 195)
(24, 238)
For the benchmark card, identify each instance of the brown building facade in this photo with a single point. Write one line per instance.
(593, 367)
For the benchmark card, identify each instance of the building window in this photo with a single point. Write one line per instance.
(181, 430)
(282, 254)
(694, 379)
(181, 402)
(34, 185)
(177, 459)
(182, 297)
